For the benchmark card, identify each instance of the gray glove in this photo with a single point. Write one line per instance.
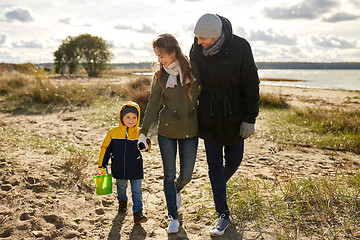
(246, 129)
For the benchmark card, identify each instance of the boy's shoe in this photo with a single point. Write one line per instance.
(173, 226)
(122, 206)
(220, 226)
(178, 200)
(139, 218)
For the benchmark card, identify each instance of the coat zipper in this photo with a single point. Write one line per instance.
(126, 137)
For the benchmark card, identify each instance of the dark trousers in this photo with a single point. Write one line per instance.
(220, 172)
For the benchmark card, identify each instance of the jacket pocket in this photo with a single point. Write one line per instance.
(205, 115)
(235, 116)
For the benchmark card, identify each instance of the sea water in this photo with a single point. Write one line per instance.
(310, 78)
(314, 78)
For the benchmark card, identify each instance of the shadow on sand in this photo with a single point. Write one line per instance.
(114, 233)
(181, 235)
(137, 232)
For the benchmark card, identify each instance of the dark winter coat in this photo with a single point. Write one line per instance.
(120, 145)
(229, 88)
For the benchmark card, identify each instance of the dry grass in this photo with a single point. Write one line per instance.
(35, 93)
(125, 72)
(268, 100)
(76, 163)
(138, 91)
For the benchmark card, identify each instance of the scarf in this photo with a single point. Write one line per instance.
(173, 70)
(215, 48)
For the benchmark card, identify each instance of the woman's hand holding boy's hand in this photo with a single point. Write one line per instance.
(142, 143)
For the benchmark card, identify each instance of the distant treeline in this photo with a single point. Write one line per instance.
(260, 65)
(308, 65)
(263, 65)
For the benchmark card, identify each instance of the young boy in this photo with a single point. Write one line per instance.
(121, 145)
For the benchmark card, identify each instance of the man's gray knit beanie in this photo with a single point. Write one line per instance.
(208, 26)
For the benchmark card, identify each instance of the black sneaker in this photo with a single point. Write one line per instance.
(220, 226)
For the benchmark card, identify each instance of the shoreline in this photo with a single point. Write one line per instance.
(311, 97)
(262, 85)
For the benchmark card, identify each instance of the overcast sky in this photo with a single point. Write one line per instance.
(298, 30)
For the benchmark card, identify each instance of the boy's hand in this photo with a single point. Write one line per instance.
(142, 143)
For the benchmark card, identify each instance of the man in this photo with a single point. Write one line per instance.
(228, 102)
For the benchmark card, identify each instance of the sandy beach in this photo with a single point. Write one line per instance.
(39, 201)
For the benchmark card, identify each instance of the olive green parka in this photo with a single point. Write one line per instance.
(178, 110)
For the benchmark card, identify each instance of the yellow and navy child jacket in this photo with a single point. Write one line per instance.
(120, 144)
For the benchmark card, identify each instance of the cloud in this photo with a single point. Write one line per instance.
(307, 9)
(277, 53)
(329, 41)
(18, 14)
(174, 1)
(28, 44)
(65, 20)
(339, 17)
(240, 31)
(188, 27)
(355, 3)
(143, 28)
(3, 38)
(271, 37)
(71, 20)
(131, 52)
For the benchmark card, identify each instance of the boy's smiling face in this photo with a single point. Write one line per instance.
(130, 119)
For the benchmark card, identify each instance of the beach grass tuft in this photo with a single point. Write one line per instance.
(298, 208)
(324, 128)
(271, 101)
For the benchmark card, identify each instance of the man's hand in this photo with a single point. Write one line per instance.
(142, 144)
(246, 129)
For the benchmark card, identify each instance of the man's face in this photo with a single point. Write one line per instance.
(206, 42)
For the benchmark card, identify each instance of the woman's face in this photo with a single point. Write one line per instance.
(164, 58)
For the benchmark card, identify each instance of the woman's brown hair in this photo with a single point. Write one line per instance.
(168, 44)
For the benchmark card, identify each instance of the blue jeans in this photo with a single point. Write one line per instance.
(220, 173)
(136, 193)
(187, 156)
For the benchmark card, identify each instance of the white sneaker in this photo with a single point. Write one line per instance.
(173, 226)
(178, 200)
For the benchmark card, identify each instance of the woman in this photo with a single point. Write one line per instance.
(174, 90)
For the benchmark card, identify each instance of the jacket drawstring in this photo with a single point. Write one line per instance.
(227, 106)
(212, 104)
